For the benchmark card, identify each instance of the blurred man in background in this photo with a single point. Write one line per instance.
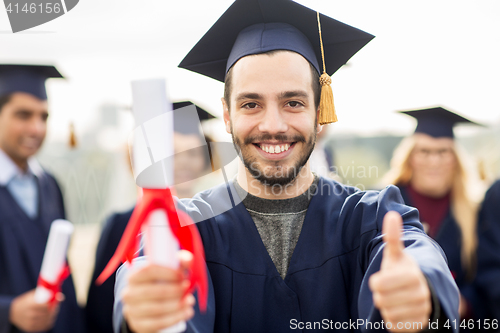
(30, 200)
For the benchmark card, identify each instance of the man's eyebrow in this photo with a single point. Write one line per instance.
(23, 111)
(293, 93)
(247, 95)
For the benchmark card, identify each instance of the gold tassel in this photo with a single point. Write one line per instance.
(72, 136)
(327, 114)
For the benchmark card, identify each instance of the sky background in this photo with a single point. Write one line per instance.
(425, 53)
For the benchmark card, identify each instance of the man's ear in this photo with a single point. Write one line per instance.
(318, 126)
(227, 121)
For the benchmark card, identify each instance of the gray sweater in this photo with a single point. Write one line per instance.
(279, 222)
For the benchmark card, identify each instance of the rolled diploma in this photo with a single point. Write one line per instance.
(152, 111)
(161, 248)
(54, 258)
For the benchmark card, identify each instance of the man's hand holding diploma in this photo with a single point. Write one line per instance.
(400, 289)
(30, 316)
(154, 297)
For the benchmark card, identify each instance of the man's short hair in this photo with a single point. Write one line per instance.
(316, 87)
(4, 100)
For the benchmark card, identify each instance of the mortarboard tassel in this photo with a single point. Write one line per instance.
(72, 136)
(327, 113)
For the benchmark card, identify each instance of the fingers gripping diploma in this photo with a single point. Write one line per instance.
(155, 297)
(30, 316)
(400, 290)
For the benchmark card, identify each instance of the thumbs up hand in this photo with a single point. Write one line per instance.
(400, 290)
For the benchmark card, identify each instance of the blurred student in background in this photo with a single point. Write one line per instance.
(434, 177)
(30, 200)
(191, 161)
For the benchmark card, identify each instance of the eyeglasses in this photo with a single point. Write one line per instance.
(445, 154)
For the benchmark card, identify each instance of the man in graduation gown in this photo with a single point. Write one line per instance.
(30, 200)
(287, 250)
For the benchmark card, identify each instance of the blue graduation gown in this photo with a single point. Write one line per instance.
(339, 247)
(487, 279)
(22, 245)
(482, 290)
(99, 309)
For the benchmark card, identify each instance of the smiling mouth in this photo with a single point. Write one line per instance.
(31, 143)
(274, 148)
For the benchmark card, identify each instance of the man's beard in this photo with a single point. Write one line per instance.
(277, 174)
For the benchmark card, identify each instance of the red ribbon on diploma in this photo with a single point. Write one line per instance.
(188, 236)
(55, 287)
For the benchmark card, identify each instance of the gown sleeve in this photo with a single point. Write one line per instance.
(370, 209)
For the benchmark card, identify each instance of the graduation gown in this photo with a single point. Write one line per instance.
(487, 278)
(339, 247)
(22, 245)
(482, 291)
(99, 309)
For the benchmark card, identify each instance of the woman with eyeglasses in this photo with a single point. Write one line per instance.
(433, 176)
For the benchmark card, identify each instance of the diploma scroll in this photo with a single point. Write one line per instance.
(54, 268)
(165, 229)
(161, 248)
(153, 110)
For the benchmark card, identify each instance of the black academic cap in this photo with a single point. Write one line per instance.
(202, 113)
(257, 26)
(26, 78)
(188, 121)
(437, 121)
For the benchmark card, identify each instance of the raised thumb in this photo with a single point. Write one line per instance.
(391, 229)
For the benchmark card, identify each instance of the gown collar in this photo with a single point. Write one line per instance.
(11, 170)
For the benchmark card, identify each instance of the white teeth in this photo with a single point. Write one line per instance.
(274, 149)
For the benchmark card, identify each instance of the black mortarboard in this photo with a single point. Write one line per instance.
(188, 121)
(257, 26)
(437, 121)
(26, 78)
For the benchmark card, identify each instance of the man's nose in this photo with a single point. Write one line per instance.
(273, 121)
(38, 126)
